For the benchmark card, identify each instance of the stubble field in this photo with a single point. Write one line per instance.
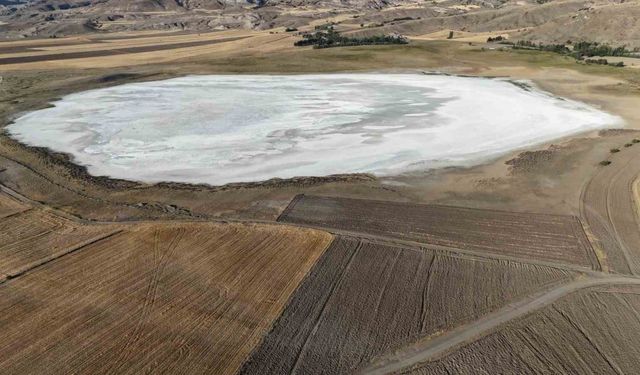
(174, 298)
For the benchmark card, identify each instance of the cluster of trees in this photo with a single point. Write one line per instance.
(557, 48)
(579, 50)
(591, 49)
(326, 37)
(603, 62)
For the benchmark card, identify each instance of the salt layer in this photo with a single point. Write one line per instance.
(239, 128)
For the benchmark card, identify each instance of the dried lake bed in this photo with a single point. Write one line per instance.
(219, 129)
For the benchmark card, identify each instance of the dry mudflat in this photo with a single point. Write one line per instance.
(553, 238)
(592, 331)
(363, 299)
(191, 298)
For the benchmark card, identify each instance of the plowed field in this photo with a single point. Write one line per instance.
(551, 238)
(588, 332)
(363, 299)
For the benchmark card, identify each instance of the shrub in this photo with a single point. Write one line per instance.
(614, 150)
(605, 162)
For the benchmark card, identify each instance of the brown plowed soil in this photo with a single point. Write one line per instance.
(553, 238)
(163, 299)
(589, 332)
(363, 299)
(31, 237)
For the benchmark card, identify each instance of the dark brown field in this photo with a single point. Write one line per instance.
(589, 332)
(162, 299)
(552, 238)
(363, 299)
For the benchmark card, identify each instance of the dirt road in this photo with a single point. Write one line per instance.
(430, 349)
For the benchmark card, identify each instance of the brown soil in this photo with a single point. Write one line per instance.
(588, 332)
(365, 298)
(550, 238)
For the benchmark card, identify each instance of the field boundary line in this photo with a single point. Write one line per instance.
(18, 213)
(42, 262)
(433, 348)
(289, 208)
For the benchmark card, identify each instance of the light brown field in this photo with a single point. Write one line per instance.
(9, 206)
(174, 298)
(32, 237)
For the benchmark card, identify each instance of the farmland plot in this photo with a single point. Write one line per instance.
(9, 206)
(163, 299)
(363, 299)
(543, 237)
(588, 332)
(31, 237)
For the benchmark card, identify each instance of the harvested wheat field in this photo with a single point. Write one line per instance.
(29, 238)
(363, 299)
(164, 299)
(595, 331)
(9, 206)
(551, 238)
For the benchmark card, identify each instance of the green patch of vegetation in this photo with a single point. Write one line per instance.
(635, 140)
(604, 62)
(614, 150)
(326, 37)
(581, 51)
(590, 49)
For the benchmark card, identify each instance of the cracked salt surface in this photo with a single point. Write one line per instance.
(240, 128)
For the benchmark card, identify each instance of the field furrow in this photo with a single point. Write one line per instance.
(551, 238)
